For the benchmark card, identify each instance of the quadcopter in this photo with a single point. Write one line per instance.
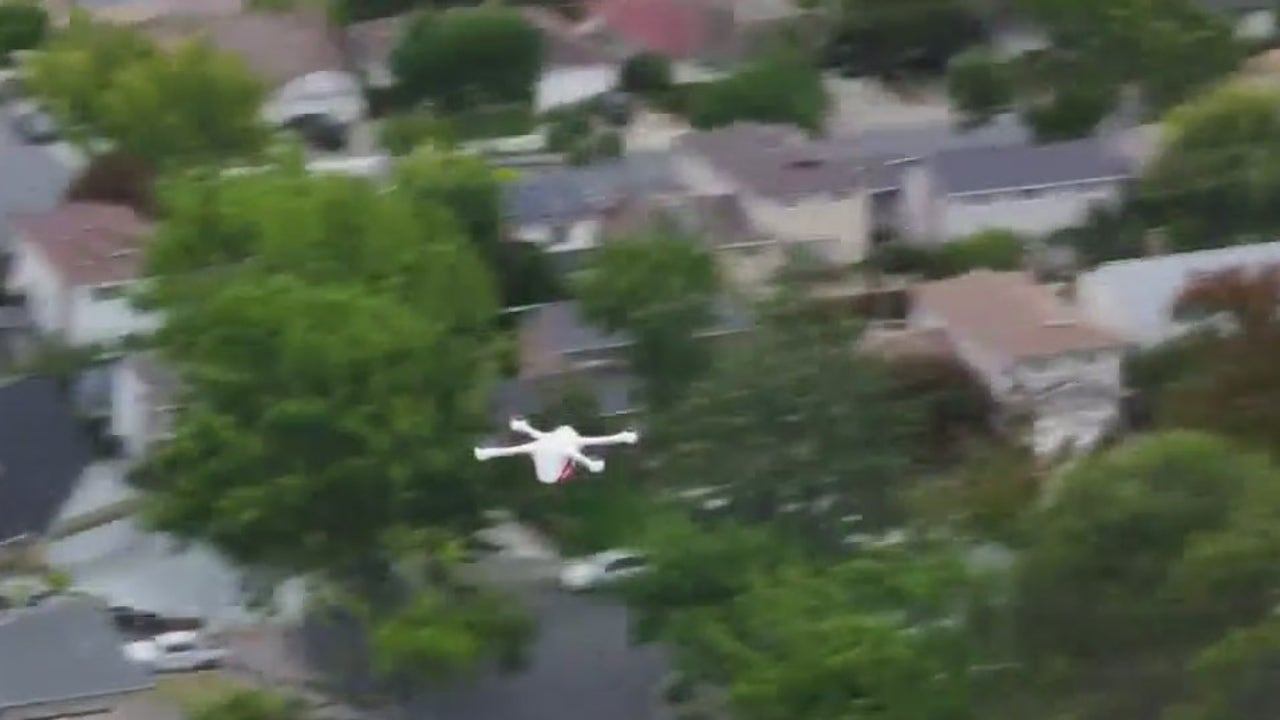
(557, 454)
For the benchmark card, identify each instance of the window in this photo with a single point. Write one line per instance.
(102, 293)
(627, 563)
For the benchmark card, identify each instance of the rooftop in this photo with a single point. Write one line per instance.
(43, 452)
(1009, 313)
(63, 650)
(983, 169)
(88, 243)
(779, 162)
(569, 194)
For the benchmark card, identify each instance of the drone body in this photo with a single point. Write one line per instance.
(556, 454)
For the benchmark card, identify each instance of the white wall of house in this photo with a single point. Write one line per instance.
(48, 299)
(104, 313)
(130, 410)
(1256, 25)
(1031, 211)
(919, 221)
(567, 85)
(581, 234)
(335, 93)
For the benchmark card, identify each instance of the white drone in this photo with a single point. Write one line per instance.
(555, 454)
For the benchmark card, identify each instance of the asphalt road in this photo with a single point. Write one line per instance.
(32, 178)
(582, 666)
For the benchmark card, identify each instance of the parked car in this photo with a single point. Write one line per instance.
(35, 125)
(181, 651)
(319, 131)
(602, 569)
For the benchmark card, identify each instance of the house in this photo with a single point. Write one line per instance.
(565, 211)
(557, 347)
(75, 266)
(713, 31)
(298, 55)
(1253, 19)
(1135, 298)
(1028, 189)
(43, 452)
(143, 398)
(63, 659)
(809, 195)
(575, 67)
(1039, 357)
(136, 12)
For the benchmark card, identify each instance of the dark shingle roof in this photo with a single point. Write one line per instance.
(570, 194)
(43, 451)
(779, 162)
(63, 650)
(997, 168)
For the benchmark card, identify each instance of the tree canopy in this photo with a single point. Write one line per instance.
(191, 106)
(1144, 573)
(23, 26)
(901, 39)
(980, 85)
(777, 89)
(251, 705)
(461, 58)
(661, 289)
(336, 343)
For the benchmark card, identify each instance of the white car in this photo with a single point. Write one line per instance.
(181, 651)
(602, 569)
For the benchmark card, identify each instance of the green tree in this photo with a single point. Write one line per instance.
(781, 89)
(250, 705)
(401, 134)
(980, 85)
(76, 68)
(23, 26)
(645, 73)
(458, 59)
(1147, 564)
(785, 447)
(336, 345)
(660, 289)
(900, 39)
(191, 106)
(990, 250)
(1215, 174)
(471, 190)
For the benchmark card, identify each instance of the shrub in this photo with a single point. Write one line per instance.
(645, 73)
(990, 249)
(608, 145)
(117, 178)
(493, 122)
(400, 134)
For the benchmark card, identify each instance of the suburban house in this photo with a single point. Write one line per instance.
(557, 346)
(1041, 360)
(63, 659)
(809, 195)
(135, 12)
(1254, 19)
(143, 399)
(717, 32)
(566, 211)
(1028, 189)
(1135, 298)
(44, 451)
(298, 55)
(575, 66)
(75, 266)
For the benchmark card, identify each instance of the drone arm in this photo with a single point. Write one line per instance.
(628, 437)
(523, 427)
(488, 453)
(592, 464)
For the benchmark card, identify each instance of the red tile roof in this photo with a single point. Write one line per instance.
(87, 243)
(678, 28)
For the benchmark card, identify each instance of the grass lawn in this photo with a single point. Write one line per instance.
(188, 691)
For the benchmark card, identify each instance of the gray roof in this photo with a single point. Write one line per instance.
(1136, 297)
(64, 649)
(43, 452)
(981, 169)
(778, 161)
(569, 194)
(927, 139)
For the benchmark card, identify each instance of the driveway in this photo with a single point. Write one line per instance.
(32, 178)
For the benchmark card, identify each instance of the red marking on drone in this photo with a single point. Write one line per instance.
(566, 472)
